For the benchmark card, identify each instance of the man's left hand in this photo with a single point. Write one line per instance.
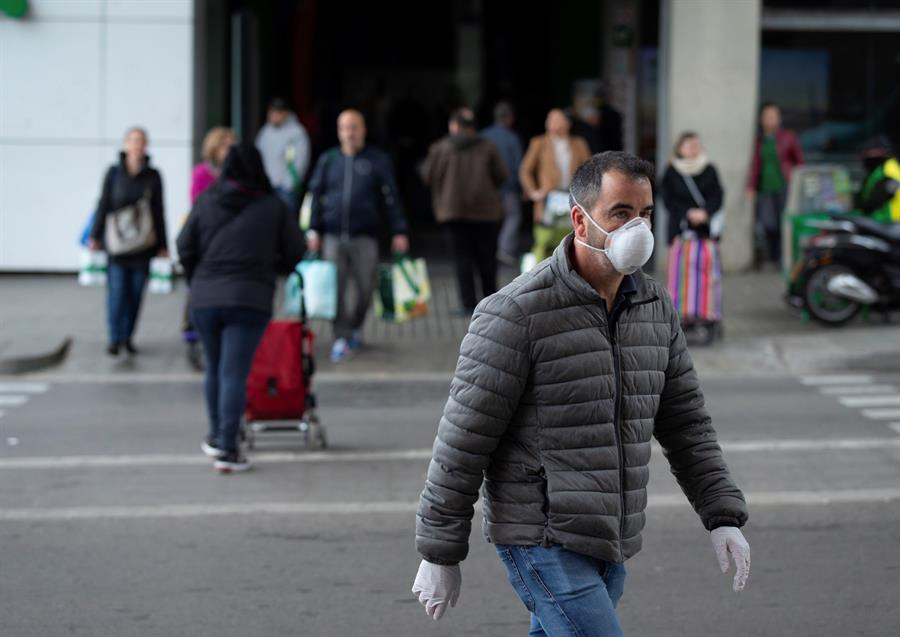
(163, 253)
(400, 244)
(729, 539)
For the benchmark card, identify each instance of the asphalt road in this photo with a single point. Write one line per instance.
(112, 523)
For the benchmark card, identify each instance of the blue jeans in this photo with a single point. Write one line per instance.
(229, 336)
(124, 292)
(568, 594)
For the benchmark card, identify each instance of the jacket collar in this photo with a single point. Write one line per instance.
(634, 286)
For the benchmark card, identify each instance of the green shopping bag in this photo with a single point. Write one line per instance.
(404, 291)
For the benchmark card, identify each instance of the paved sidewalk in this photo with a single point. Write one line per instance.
(762, 335)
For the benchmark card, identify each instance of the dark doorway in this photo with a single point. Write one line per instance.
(405, 64)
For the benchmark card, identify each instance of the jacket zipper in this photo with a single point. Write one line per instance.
(345, 198)
(617, 413)
(617, 409)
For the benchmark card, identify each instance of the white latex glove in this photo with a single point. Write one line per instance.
(729, 539)
(437, 586)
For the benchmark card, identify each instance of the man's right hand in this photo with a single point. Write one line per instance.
(313, 241)
(537, 195)
(437, 587)
(93, 245)
(750, 194)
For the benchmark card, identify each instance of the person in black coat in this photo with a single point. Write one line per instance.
(125, 183)
(238, 238)
(691, 190)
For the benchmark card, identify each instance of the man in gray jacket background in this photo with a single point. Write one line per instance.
(564, 377)
(284, 146)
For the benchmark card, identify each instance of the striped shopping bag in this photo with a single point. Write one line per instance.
(695, 279)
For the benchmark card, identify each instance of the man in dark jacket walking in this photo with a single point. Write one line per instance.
(564, 377)
(350, 186)
(465, 173)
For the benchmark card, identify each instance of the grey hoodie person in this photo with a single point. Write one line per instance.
(280, 146)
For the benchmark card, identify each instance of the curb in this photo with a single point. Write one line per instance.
(37, 362)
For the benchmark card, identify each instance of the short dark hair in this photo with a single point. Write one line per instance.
(585, 187)
(279, 104)
(463, 117)
(503, 111)
(766, 105)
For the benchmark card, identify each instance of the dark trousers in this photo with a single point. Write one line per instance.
(769, 211)
(124, 292)
(474, 247)
(230, 336)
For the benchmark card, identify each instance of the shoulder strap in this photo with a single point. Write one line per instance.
(695, 192)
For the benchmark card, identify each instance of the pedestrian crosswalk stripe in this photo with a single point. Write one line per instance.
(852, 390)
(13, 401)
(24, 388)
(870, 401)
(661, 500)
(895, 426)
(197, 459)
(853, 379)
(881, 414)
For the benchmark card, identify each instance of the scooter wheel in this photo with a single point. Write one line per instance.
(824, 306)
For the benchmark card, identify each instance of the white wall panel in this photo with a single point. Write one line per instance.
(160, 9)
(148, 75)
(74, 76)
(50, 80)
(65, 9)
(46, 195)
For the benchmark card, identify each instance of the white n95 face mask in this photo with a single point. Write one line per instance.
(628, 247)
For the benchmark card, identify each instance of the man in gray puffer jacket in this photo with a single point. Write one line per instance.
(564, 377)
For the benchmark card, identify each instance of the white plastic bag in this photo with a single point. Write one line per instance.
(161, 276)
(92, 268)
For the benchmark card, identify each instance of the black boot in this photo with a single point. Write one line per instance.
(112, 349)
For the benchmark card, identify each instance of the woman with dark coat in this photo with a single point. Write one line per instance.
(126, 182)
(237, 239)
(691, 190)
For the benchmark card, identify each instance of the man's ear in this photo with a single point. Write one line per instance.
(579, 225)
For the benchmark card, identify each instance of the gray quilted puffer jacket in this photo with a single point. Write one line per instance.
(555, 415)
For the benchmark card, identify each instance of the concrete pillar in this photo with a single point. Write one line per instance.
(711, 69)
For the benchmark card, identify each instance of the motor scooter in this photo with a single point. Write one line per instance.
(854, 262)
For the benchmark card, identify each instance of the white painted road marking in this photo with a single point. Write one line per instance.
(13, 401)
(173, 459)
(851, 390)
(25, 388)
(855, 379)
(881, 414)
(772, 498)
(197, 459)
(895, 426)
(870, 401)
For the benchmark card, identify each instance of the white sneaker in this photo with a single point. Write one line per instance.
(211, 450)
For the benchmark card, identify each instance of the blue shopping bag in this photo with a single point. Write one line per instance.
(313, 286)
(86, 231)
